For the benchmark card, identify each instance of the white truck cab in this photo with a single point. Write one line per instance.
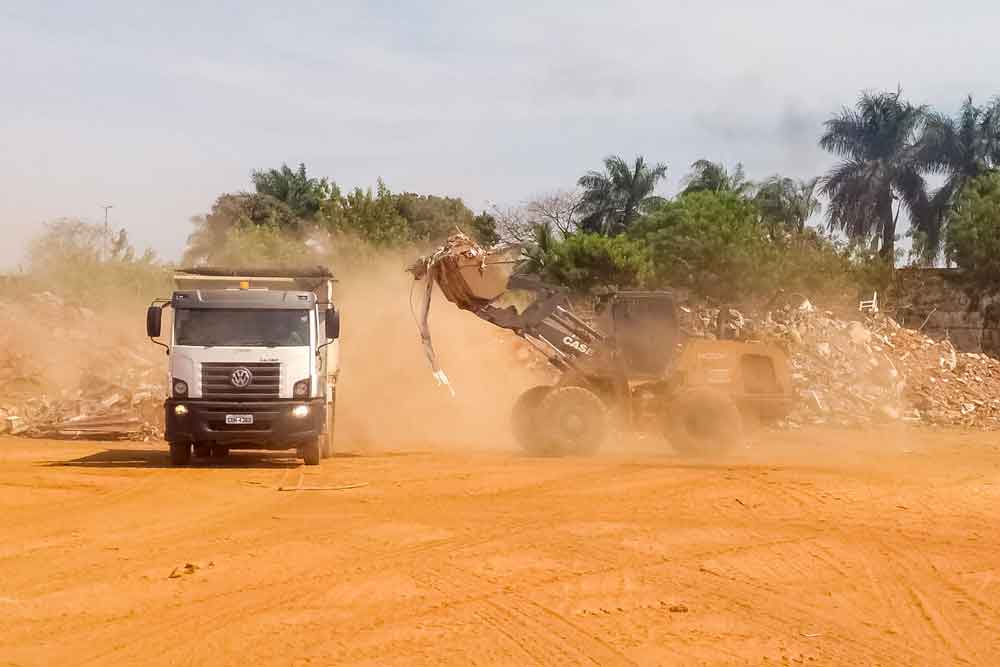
(253, 362)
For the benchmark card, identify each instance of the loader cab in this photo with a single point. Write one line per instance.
(645, 329)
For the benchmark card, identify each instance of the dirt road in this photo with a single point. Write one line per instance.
(818, 548)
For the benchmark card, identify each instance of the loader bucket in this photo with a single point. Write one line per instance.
(469, 275)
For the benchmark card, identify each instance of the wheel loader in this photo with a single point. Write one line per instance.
(629, 369)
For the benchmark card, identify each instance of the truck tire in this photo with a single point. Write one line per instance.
(574, 421)
(703, 422)
(180, 453)
(327, 436)
(202, 451)
(311, 451)
(523, 419)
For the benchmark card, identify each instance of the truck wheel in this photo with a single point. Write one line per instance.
(703, 421)
(328, 431)
(524, 420)
(202, 451)
(311, 452)
(180, 453)
(573, 420)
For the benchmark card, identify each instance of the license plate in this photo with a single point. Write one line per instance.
(239, 419)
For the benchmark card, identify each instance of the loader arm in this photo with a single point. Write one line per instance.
(548, 324)
(473, 278)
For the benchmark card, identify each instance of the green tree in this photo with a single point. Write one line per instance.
(87, 266)
(484, 229)
(235, 210)
(613, 199)
(264, 246)
(972, 239)
(787, 203)
(583, 261)
(714, 177)
(371, 216)
(432, 218)
(710, 242)
(880, 173)
(960, 148)
(538, 250)
(302, 194)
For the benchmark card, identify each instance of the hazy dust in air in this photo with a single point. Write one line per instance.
(387, 397)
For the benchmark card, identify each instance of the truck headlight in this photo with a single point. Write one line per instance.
(180, 410)
(180, 388)
(300, 411)
(301, 389)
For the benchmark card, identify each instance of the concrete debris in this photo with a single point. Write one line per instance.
(869, 370)
(63, 375)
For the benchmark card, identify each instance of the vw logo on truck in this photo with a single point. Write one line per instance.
(241, 378)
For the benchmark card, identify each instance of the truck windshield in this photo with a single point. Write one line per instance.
(241, 328)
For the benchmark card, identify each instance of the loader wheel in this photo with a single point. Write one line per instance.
(180, 453)
(311, 451)
(703, 421)
(573, 420)
(524, 419)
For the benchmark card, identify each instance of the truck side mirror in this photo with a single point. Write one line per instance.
(154, 321)
(332, 324)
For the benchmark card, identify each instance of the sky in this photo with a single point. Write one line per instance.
(157, 108)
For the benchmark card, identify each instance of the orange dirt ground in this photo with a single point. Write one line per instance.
(821, 547)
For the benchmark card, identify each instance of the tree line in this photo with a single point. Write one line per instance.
(722, 235)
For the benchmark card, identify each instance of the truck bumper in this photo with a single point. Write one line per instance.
(274, 426)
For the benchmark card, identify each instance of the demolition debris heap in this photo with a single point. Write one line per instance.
(66, 372)
(870, 369)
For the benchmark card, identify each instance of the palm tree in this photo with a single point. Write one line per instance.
(880, 173)
(302, 193)
(960, 148)
(714, 177)
(787, 202)
(613, 199)
(537, 252)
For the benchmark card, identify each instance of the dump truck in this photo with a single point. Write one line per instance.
(629, 368)
(253, 361)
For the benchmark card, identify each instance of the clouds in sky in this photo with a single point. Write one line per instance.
(158, 108)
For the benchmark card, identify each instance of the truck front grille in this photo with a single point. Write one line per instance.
(217, 381)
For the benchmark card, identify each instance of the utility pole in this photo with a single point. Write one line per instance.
(105, 249)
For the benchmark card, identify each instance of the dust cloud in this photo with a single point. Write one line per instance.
(387, 397)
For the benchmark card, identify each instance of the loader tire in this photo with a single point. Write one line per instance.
(524, 419)
(703, 422)
(574, 421)
(180, 453)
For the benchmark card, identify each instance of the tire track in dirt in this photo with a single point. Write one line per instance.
(940, 627)
(293, 590)
(159, 533)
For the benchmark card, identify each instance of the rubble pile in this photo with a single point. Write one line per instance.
(66, 372)
(870, 369)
